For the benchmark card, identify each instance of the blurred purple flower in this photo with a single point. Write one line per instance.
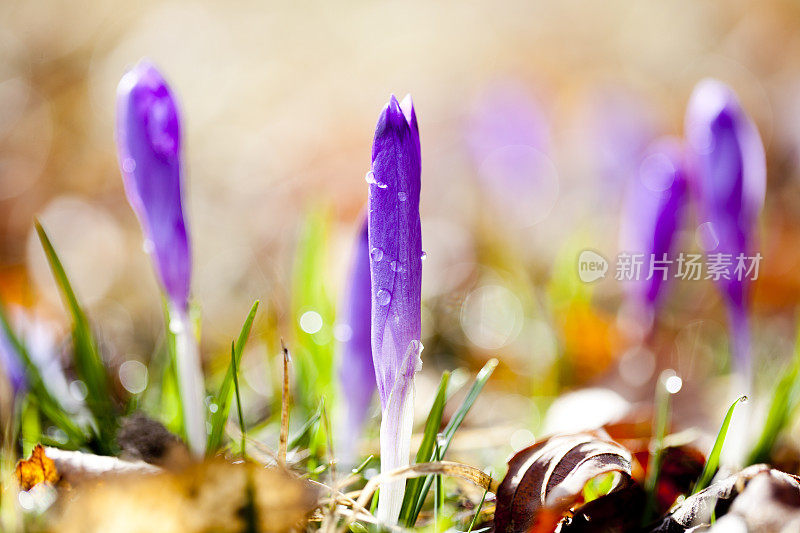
(508, 136)
(395, 242)
(728, 167)
(652, 215)
(149, 148)
(621, 125)
(356, 370)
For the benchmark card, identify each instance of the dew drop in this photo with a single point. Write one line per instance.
(376, 254)
(384, 297)
(402, 196)
(381, 185)
(423, 256)
(397, 266)
(129, 165)
(370, 177)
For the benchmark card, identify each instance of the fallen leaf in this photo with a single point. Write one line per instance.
(618, 512)
(212, 496)
(78, 467)
(546, 480)
(764, 499)
(38, 468)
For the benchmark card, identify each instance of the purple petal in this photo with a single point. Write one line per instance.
(149, 150)
(10, 364)
(395, 243)
(356, 370)
(508, 137)
(728, 172)
(652, 215)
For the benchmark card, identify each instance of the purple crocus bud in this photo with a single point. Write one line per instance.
(395, 242)
(356, 370)
(149, 149)
(729, 175)
(652, 215)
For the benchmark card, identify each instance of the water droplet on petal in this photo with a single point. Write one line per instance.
(381, 185)
(148, 246)
(423, 256)
(384, 297)
(397, 266)
(129, 165)
(376, 254)
(370, 177)
(402, 196)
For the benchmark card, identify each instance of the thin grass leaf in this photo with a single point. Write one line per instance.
(284, 435)
(784, 401)
(238, 397)
(432, 425)
(477, 511)
(48, 404)
(223, 400)
(303, 436)
(88, 362)
(171, 399)
(360, 468)
(660, 424)
(712, 463)
(450, 431)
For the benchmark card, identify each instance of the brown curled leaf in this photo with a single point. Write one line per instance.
(38, 468)
(546, 480)
(762, 498)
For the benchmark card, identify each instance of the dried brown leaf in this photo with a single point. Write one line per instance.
(38, 468)
(764, 499)
(546, 480)
(212, 496)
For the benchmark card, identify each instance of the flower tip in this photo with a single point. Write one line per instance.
(407, 106)
(710, 99)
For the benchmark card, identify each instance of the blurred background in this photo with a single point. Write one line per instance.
(533, 117)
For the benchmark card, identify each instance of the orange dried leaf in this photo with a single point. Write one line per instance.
(38, 468)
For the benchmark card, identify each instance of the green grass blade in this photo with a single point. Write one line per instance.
(88, 362)
(303, 437)
(223, 399)
(48, 404)
(712, 463)
(663, 399)
(312, 353)
(450, 431)
(784, 400)
(414, 485)
(238, 397)
(477, 512)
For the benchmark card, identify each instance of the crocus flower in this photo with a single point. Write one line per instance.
(149, 148)
(652, 215)
(356, 370)
(729, 175)
(619, 126)
(508, 136)
(395, 242)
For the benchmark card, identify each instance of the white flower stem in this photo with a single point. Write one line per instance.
(396, 427)
(190, 379)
